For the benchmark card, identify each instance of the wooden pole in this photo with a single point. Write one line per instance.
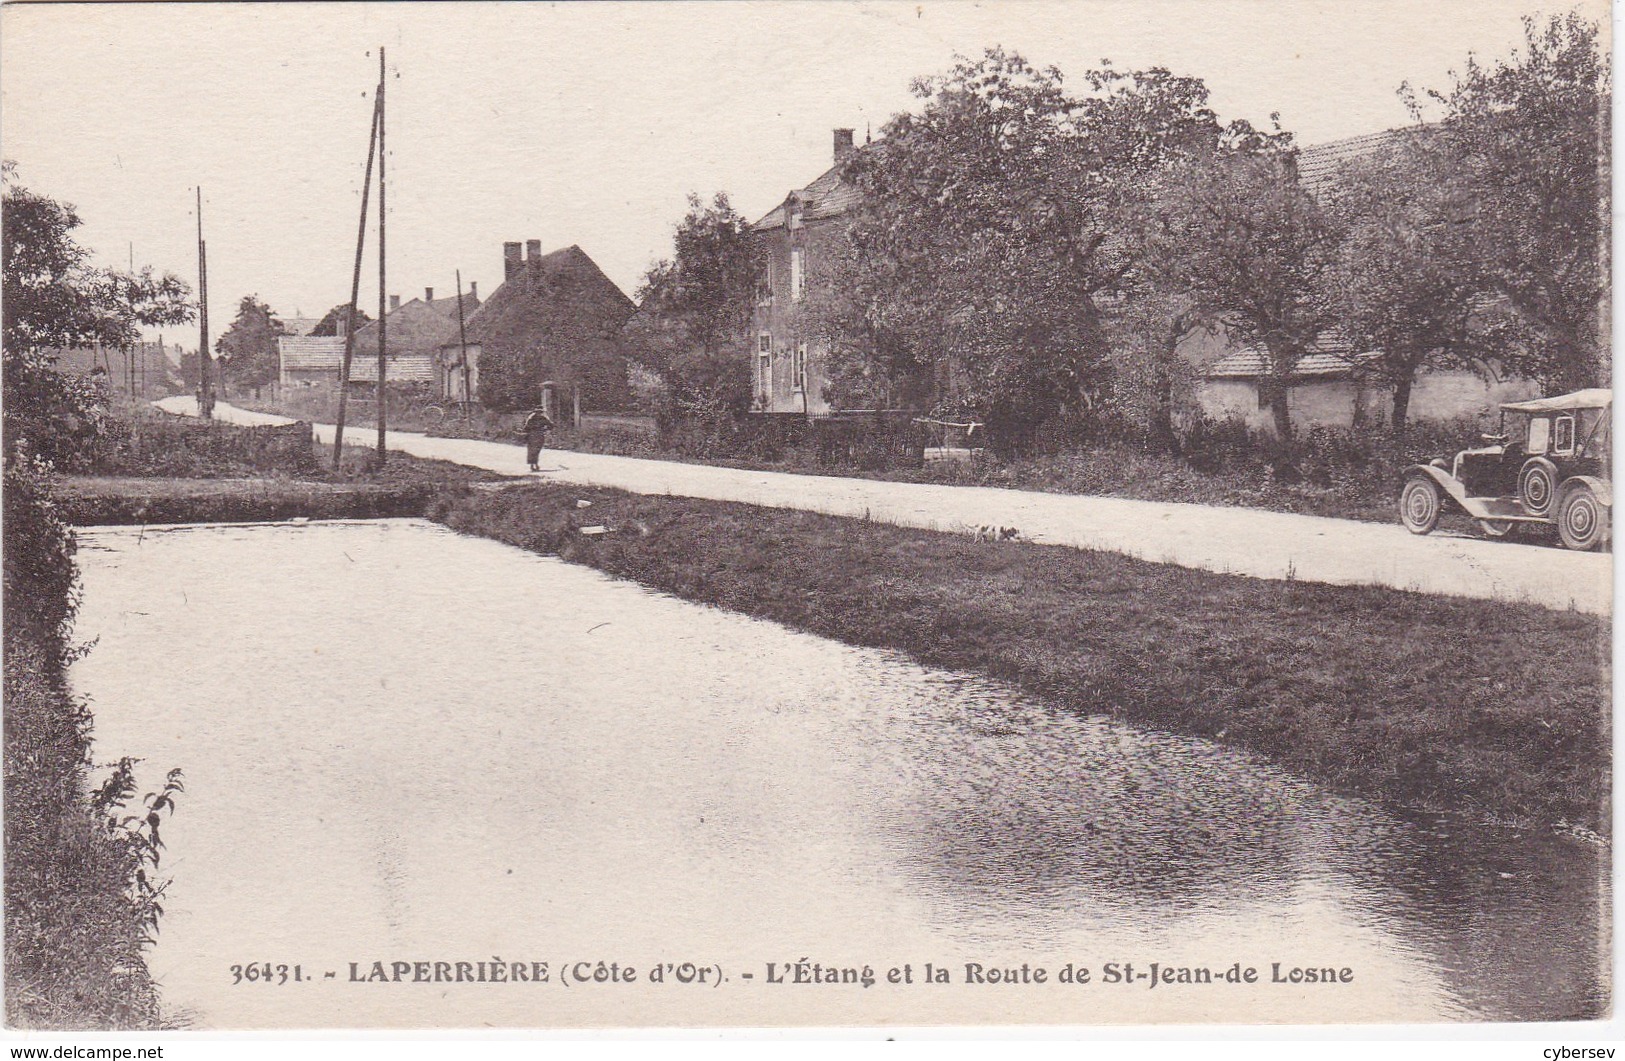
(382, 282)
(462, 337)
(355, 294)
(205, 385)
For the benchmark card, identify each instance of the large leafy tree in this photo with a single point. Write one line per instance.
(53, 296)
(693, 320)
(991, 233)
(1405, 283)
(1253, 250)
(248, 348)
(1525, 141)
(332, 324)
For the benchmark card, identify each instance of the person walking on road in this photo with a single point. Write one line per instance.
(537, 425)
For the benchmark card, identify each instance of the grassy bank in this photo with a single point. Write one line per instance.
(1496, 709)
(81, 887)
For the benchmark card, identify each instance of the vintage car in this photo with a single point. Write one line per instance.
(1548, 465)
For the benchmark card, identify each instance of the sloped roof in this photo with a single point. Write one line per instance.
(311, 352)
(520, 303)
(417, 326)
(1318, 164)
(1330, 356)
(325, 353)
(299, 325)
(827, 196)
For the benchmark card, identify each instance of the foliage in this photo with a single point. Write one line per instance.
(248, 349)
(1405, 284)
(694, 310)
(332, 324)
(53, 297)
(1525, 142)
(1253, 251)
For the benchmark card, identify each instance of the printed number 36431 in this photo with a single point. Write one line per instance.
(266, 973)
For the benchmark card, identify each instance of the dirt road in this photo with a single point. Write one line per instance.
(1235, 540)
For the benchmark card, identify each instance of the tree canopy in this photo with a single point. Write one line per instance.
(248, 348)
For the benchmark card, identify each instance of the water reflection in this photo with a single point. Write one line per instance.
(400, 742)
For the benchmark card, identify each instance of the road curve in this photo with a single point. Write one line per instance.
(1240, 541)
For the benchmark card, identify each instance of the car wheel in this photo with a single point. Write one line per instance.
(1582, 520)
(1419, 504)
(1537, 487)
(1495, 528)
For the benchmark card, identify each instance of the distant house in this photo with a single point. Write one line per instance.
(787, 372)
(1335, 386)
(556, 319)
(413, 334)
(1332, 384)
(147, 369)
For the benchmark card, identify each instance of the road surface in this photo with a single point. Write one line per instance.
(1238, 541)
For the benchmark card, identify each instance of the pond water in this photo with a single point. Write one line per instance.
(406, 746)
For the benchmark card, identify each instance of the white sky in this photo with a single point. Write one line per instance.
(588, 123)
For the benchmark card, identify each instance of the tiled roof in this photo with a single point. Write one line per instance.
(325, 353)
(1330, 356)
(299, 325)
(828, 196)
(1318, 164)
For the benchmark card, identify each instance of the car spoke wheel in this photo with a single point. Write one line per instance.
(1582, 520)
(1495, 528)
(1419, 505)
(1537, 488)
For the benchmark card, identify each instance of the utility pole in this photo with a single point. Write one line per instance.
(383, 453)
(355, 293)
(205, 399)
(462, 337)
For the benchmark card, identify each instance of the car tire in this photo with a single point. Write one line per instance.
(1420, 503)
(1537, 487)
(1582, 519)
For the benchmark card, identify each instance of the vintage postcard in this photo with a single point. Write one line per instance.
(654, 515)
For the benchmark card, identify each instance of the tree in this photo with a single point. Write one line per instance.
(53, 297)
(1525, 141)
(333, 323)
(990, 235)
(248, 349)
(1254, 251)
(694, 309)
(1405, 283)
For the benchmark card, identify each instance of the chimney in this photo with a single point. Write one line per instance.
(428, 294)
(843, 143)
(394, 303)
(533, 254)
(510, 260)
(473, 291)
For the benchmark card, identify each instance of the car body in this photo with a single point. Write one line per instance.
(1550, 465)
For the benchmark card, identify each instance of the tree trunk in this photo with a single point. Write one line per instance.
(1402, 400)
(1276, 390)
(1162, 411)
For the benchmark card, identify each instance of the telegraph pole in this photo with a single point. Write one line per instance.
(462, 337)
(355, 292)
(382, 324)
(205, 399)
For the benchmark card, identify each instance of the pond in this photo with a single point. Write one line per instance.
(460, 761)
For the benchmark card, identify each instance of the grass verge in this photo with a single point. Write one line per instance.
(1500, 710)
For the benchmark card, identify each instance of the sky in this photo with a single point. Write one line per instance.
(589, 123)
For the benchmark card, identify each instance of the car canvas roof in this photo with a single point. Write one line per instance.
(1594, 398)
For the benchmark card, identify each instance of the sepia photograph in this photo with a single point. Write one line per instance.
(807, 515)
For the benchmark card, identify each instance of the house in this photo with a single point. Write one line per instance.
(554, 324)
(801, 233)
(146, 369)
(413, 334)
(1332, 385)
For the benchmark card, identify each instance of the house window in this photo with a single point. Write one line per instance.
(798, 366)
(798, 273)
(764, 366)
(1563, 436)
(764, 285)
